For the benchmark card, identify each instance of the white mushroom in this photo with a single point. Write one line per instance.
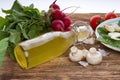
(73, 49)
(93, 57)
(75, 55)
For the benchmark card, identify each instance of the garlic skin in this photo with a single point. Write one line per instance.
(89, 41)
(83, 63)
(93, 57)
(76, 56)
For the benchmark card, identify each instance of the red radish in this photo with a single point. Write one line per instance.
(64, 15)
(57, 14)
(58, 25)
(67, 29)
(54, 6)
(67, 21)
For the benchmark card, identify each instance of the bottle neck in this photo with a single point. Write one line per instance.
(82, 31)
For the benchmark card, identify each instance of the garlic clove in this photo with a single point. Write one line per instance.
(114, 35)
(75, 57)
(116, 27)
(109, 28)
(94, 57)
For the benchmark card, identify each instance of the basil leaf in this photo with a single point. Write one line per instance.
(3, 48)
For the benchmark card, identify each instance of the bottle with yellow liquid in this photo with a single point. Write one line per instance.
(48, 46)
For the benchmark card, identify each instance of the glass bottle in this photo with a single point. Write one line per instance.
(50, 45)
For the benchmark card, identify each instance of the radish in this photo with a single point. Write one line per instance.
(57, 14)
(64, 15)
(67, 21)
(54, 6)
(67, 29)
(58, 25)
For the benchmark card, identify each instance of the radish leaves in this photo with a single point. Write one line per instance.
(3, 47)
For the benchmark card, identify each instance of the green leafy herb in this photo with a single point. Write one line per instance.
(20, 23)
(119, 22)
(14, 37)
(3, 47)
(2, 22)
(3, 34)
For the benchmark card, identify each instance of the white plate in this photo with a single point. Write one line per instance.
(108, 22)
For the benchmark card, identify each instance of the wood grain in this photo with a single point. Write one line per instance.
(62, 68)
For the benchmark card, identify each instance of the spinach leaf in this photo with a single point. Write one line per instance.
(119, 23)
(102, 31)
(3, 48)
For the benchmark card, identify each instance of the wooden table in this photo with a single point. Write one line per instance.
(62, 68)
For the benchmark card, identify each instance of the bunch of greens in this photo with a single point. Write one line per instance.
(20, 23)
(104, 38)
